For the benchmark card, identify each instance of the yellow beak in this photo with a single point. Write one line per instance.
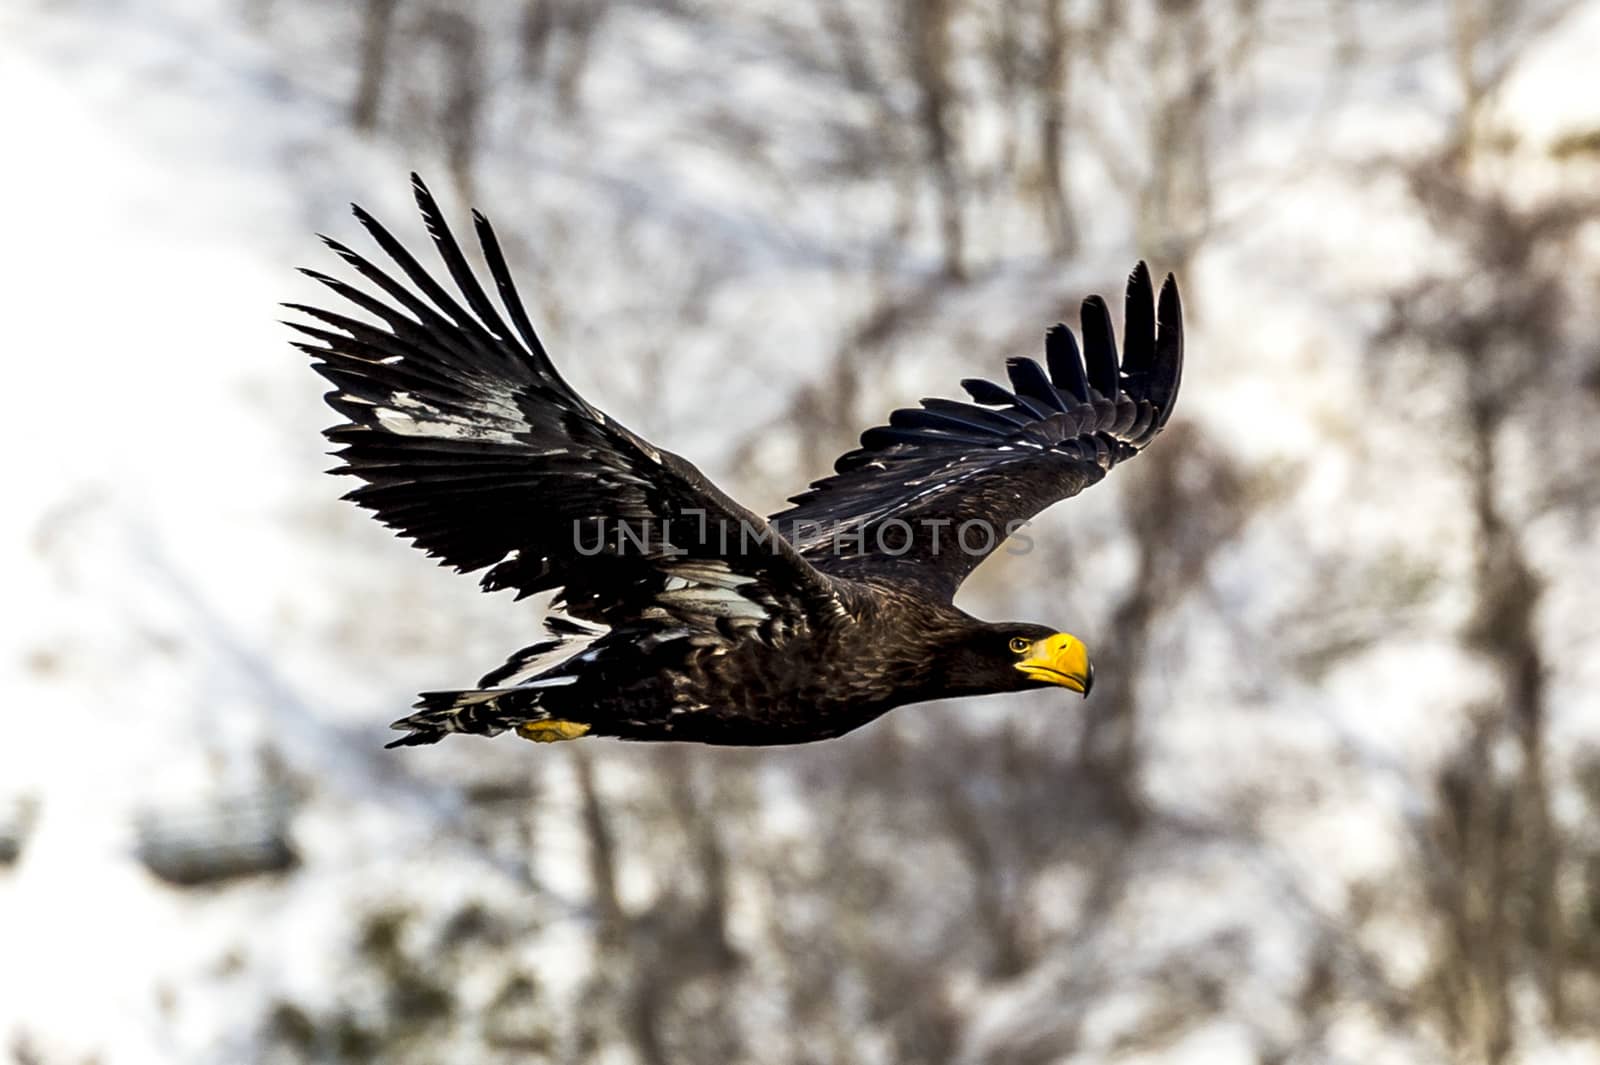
(1060, 659)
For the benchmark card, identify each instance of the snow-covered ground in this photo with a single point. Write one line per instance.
(188, 613)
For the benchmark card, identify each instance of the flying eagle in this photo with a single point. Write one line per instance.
(679, 614)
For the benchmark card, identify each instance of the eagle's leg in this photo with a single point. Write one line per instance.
(552, 731)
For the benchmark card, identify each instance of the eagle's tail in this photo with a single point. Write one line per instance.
(507, 696)
(479, 712)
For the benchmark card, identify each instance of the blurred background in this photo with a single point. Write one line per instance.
(1335, 797)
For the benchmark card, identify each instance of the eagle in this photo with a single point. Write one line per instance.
(679, 614)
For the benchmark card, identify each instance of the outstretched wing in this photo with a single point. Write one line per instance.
(473, 446)
(928, 496)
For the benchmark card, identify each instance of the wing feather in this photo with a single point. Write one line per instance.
(990, 419)
(501, 273)
(989, 393)
(1099, 347)
(1139, 322)
(1066, 365)
(1167, 372)
(1030, 382)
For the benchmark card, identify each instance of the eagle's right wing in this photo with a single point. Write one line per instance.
(927, 497)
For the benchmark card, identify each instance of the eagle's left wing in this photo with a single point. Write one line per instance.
(929, 496)
(473, 446)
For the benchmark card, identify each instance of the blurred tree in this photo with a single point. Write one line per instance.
(1496, 330)
(1496, 327)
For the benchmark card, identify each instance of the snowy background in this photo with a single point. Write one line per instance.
(1336, 796)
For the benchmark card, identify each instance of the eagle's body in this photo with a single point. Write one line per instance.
(679, 614)
(817, 681)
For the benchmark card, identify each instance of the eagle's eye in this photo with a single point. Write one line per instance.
(1020, 645)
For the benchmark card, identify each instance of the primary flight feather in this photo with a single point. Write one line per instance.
(679, 614)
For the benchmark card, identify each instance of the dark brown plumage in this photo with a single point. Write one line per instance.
(679, 614)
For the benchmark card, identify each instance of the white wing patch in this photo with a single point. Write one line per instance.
(498, 420)
(701, 592)
(713, 602)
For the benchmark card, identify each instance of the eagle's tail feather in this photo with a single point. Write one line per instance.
(478, 712)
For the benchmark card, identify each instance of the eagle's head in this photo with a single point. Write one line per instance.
(1016, 656)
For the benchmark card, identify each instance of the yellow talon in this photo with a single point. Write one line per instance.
(553, 731)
